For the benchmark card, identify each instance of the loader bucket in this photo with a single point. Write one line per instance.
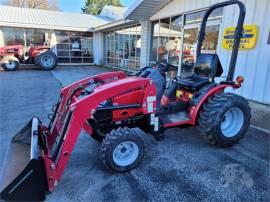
(23, 175)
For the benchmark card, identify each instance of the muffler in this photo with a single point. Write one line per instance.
(23, 176)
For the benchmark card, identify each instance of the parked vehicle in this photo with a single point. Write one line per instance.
(110, 106)
(13, 55)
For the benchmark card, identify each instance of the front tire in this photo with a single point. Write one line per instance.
(122, 149)
(225, 119)
(10, 63)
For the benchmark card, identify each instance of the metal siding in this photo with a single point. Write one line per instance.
(25, 17)
(249, 66)
(263, 56)
(143, 9)
(252, 64)
(180, 6)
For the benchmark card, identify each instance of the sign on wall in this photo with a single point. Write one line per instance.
(248, 41)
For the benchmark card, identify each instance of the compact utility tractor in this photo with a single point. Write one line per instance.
(12, 56)
(110, 106)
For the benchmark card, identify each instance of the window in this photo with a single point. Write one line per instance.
(122, 47)
(190, 45)
(138, 42)
(197, 17)
(167, 43)
(133, 47)
(189, 48)
(164, 33)
(36, 37)
(26, 37)
(13, 36)
(174, 45)
(166, 40)
(211, 39)
(74, 47)
(155, 41)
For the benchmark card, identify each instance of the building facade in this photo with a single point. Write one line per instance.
(158, 30)
(70, 35)
(170, 29)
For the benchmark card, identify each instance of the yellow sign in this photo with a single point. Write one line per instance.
(248, 41)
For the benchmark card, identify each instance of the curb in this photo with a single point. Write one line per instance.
(260, 129)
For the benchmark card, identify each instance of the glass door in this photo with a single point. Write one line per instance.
(190, 45)
(189, 49)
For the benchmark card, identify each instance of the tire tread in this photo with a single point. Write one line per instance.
(111, 140)
(211, 113)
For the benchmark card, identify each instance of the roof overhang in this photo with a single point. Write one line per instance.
(48, 27)
(143, 9)
(116, 24)
(47, 19)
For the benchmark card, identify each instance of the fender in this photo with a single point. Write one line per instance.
(35, 50)
(195, 109)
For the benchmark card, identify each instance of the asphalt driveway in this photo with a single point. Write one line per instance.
(183, 167)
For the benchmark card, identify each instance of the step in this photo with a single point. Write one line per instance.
(176, 117)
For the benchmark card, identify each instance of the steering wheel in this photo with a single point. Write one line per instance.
(163, 66)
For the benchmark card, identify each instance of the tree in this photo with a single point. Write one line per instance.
(94, 7)
(36, 4)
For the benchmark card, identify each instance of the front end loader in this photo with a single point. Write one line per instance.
(110, 106)
(38, 154)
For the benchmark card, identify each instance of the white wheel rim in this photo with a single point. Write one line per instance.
(11, 64)
(47, 60)
(125, 153)
(232, 122)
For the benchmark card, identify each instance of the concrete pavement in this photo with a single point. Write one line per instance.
(183, 167)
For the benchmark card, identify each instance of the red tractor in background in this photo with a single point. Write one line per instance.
(110, 106)
(12, 56)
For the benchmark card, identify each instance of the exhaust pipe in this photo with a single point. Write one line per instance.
(23, 176)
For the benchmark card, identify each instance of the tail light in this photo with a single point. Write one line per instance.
(240, 79)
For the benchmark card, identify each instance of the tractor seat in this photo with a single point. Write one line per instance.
(206, 68)
(193, 82)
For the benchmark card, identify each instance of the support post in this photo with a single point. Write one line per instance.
(145, 42)
(1, 38)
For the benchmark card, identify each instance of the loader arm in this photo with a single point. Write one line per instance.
(71, 92)
(79, 111)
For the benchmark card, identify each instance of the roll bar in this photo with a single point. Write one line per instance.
(237, 34)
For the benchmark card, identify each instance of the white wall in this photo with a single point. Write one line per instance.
(253, 64)
(1, 38)
(145, 43)
(181, 6)
(98, 48)
(53, 42)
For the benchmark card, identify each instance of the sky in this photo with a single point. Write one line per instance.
(75, 5)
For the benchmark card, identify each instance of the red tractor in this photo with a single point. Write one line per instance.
(110, 106)
(11, 56)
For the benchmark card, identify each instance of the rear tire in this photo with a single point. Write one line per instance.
(46, 60)
(225, 119)
(10, 63)
(122, 149)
